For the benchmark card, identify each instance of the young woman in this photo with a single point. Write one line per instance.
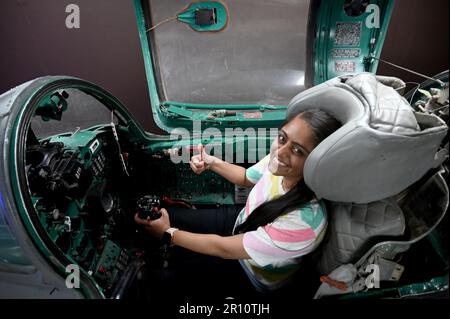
(281, 221)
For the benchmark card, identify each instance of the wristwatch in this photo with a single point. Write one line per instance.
(168, 235)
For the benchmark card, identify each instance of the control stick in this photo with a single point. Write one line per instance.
(148, 207)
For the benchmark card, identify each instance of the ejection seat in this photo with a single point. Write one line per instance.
(379, 175)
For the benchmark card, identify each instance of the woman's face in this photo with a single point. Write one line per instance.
(290, 149)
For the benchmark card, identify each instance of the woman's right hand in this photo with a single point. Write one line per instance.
(201, 162)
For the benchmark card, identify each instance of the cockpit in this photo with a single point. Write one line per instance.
(78, 166)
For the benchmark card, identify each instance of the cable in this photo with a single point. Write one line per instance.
(415, 91)
(440, 108)
(411, 71)
(116, 137)
(161, 22)
(414, 94)
(169, 19)
(415, 84)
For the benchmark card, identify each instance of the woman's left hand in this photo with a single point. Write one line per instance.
(156, 227)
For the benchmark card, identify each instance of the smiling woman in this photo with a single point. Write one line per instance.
(70, 195)
(281, 221)
(77, 167)
(297, 138)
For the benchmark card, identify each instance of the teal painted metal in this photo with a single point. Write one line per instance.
(332, 58)
(180, 118)
(21, 205)
(226, 106)
(221, 15)
(151, 82)
(244, 115)
(76, 140)
(168, 120)
(10, 251)
(380, 33)
(344, 44)
(435, 285)
(55, 105)
(435, 240)
(38, 96)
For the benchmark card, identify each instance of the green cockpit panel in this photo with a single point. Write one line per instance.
(269, 52)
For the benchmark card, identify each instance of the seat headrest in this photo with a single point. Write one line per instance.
(382, 147)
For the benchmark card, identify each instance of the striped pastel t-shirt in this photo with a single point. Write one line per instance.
(276, 248)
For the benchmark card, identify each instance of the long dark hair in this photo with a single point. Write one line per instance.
(322, 125)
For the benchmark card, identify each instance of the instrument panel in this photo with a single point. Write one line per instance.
(86, 187)
(75, 182)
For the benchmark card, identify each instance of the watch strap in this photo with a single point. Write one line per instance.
(171, 231)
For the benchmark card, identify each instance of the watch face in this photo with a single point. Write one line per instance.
(167, 238)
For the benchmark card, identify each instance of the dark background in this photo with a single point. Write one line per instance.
(105, 50)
